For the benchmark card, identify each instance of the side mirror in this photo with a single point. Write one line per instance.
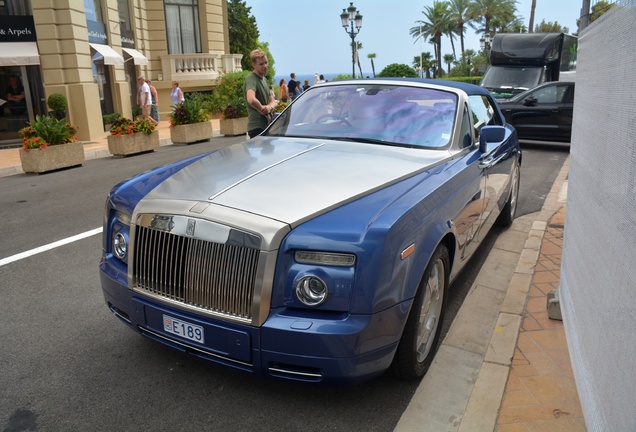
(490, 134)
(530, 101)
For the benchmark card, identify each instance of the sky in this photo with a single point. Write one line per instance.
(307, 36)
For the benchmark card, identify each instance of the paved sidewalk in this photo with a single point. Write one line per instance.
(541, 393)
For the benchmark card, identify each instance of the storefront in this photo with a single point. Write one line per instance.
(20, 77)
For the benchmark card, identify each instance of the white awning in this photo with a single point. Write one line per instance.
(19, 54)
(111, 57)
(138, 58)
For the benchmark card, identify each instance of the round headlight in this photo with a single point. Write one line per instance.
(120, 246)
(311, 290)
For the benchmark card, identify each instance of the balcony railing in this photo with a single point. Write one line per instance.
(198, 66)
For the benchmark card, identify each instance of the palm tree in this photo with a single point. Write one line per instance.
(483, 12)
(468, 58)
(437, 24)
(427, 58)
(449, 59)
(371, 56)
(532, 9)
(459, 17)
(358, 47)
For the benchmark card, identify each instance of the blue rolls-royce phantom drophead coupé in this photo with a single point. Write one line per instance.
(323, 249)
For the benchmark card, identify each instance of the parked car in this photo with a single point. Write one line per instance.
(323, 249)
(543, 113)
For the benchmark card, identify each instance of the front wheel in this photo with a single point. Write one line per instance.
(420, 338)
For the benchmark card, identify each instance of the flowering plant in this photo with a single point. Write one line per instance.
(47, 131)
(124, 126)
(231, 112)
(189, 111)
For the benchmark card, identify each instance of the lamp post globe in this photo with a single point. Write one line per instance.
(352, 23)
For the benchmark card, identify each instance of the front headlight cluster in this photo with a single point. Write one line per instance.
(120, 230)
(312, 290)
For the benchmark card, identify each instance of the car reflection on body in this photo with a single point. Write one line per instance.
(543, 113)
(323, 249)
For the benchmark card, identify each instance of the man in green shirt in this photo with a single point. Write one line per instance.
(260, 102)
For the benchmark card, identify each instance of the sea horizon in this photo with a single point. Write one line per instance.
(311, 76)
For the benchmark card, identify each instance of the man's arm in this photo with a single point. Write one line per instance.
(256, 104)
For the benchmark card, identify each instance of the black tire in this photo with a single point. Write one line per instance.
(507, 215)
(420, 339)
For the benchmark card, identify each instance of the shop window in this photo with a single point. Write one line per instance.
(15, 7)
(93, 10)
(182, 26)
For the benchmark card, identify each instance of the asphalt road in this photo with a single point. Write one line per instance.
(69, 365)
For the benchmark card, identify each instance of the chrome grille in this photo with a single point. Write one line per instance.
(209, 276)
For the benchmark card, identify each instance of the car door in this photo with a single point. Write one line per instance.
(469, 220)
(496, 166)
(540, 114)
(566, 111)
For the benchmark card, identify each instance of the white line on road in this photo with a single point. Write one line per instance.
(50, 246)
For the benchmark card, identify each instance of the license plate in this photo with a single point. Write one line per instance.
(183, 329)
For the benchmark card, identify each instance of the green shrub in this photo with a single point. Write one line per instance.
(229, 91)
(191, 110)
(465, 79)
(396, 70)
(110, 118)
(57, 102)
(341, 77)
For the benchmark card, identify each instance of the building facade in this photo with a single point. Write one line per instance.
(92, 51)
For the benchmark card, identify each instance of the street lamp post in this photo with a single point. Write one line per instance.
(484, 43)
(351, 16)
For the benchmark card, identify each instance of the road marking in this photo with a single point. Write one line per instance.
(50, 246)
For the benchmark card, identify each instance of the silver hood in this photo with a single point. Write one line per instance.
(292, 180)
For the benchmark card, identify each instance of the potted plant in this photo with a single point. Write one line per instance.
(190, 122)
(50, 144)
(131, 137)
(228, 100)
(109, 119)
(57, 104)
(233, 120)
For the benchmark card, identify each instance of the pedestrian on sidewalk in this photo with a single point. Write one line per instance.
(144, 99)
(154, 108)
(176, 96)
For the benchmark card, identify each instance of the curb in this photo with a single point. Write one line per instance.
(465, 386)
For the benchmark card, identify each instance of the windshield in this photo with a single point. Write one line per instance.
(373, 113)
(513, 78)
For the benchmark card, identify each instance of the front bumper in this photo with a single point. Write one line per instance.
(339, 349)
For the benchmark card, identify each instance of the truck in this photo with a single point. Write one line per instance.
(521, 61)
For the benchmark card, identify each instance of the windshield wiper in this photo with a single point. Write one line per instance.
(375, 141)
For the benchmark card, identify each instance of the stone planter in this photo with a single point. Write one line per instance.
(232, 127)
(132, 144)
(52, 158)
(189, 133)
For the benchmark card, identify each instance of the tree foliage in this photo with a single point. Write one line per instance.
(550, 27)
(243, 31)
(396, 70)
(437, 22)
(599, 9)
(271, 71)
(490, 15)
